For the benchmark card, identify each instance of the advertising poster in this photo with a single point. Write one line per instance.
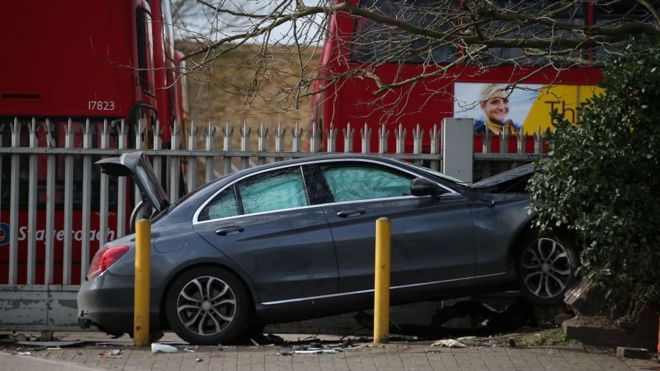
(521, 108)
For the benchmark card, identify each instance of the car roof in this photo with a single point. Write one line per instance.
(315, 158)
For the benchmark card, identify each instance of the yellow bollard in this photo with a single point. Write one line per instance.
(382, 281)
(142, 283)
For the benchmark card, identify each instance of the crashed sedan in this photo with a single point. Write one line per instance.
(295, 239)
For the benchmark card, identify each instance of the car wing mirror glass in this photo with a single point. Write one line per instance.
(425, 187)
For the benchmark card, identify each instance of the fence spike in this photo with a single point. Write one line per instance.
(50, 134)
(279, 137)
(521, 142)
(538, 140)
(348, 138)
(32, 128)
(365, 134)
(209, 133)
(192, 136)
(176, 138)
(383, 136)
(418, 136)
(280, 131)
(504, 140)
(434, 135)
(227, 132)
(262, 133)
(314, 136)
(68, 140)
(486, 140)
(400, 135)
(332, 139)
(87, 134)
(157, 139)
(296, 134)
(245, 130)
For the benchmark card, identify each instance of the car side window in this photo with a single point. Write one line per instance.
(355, 182)
(223, 205)
(277, 190)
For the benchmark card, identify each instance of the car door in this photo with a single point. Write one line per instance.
(266, 225)
(432, 237)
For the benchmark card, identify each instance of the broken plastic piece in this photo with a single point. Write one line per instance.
(114, 352)
(449, 343)
(315, 351)
(164, 348)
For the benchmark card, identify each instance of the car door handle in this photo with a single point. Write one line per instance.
(229, 230)
(350, 213)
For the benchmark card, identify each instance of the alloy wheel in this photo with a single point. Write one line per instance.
(206, 305)
(545, 268)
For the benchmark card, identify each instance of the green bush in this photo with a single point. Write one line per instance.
(602, 178)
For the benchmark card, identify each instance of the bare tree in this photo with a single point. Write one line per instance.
(438, 35)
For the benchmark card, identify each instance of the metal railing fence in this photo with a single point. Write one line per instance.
(57, 209)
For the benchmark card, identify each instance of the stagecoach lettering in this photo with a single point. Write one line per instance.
(101, 105)
(40, 235)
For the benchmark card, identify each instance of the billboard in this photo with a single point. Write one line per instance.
(520, 108)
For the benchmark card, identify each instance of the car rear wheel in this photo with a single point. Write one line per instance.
(207, 306)
(546, 268)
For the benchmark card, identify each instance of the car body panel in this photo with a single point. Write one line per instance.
(432, 240)
(287, 254)
(497, 224)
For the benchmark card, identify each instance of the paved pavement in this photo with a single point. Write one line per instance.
(359, 356)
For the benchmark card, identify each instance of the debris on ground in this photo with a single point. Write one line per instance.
(12, 338)
(467, 317)
(164, 348)
(315, 351)
(449, 343)
(630, 352)
(313, 345)
(49, 344)
(115, 353)
(266, 339)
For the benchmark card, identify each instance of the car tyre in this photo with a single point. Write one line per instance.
(546, 267)
(207, 306)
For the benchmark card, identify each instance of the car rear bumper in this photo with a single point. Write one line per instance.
(106, 303)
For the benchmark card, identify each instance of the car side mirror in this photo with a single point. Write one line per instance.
(425, 187)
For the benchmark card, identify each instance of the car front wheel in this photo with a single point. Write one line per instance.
(207, 306)
(546, 268)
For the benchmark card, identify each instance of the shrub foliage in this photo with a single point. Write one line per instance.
(602, 178)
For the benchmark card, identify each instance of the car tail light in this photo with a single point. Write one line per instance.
(104, 259)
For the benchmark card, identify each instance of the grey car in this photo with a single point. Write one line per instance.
(295, 239)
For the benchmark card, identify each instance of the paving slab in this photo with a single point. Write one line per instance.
(102, 353)
(25, 362)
